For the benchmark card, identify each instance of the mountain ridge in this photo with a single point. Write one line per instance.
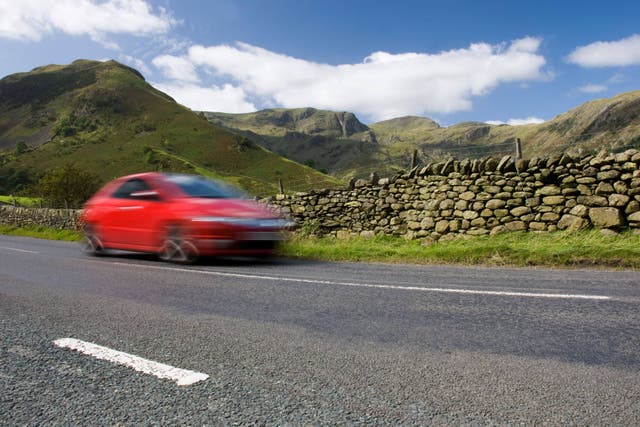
(279, 121)
(611, 123)
(105, 117)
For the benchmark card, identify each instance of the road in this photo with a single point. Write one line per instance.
(297, 343)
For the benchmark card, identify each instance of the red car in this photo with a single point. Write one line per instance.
(179, 217)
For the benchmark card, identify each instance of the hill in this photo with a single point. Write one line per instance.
(309, 121)
(403, 128)
(105, 118)
(326, 140)
(612, 123)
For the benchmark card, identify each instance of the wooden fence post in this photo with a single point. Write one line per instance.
(280, 187)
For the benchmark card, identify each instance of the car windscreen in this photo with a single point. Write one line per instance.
(197, 186)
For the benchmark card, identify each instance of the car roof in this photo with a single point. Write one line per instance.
(141, 175)
(158, 175)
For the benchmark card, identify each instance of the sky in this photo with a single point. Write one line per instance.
(512, 62)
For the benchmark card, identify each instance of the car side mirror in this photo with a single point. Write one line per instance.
(145, 195)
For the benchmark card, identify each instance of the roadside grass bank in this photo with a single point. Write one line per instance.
(41, 233)
(558, 249)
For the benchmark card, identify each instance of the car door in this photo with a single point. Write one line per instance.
(133, 209)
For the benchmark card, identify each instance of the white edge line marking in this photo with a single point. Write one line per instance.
(19, 250)
(368, 285)
(181, 377)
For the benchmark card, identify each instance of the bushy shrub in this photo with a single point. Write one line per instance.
(13, 181)
(21, 147)
(71, 124)
(67, 187)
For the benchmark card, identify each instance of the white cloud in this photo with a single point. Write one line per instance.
(517, 122)
(592, 88)
(32, 19)
(136, 63)
(608, 54)
(617, 78)
(176, 68)
(228, 99)
(384, 85)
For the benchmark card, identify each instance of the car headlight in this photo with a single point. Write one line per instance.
(247, 222)
(225, 220)
(275, 223)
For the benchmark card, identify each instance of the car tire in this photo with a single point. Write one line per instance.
(92, 244)
(176, 247)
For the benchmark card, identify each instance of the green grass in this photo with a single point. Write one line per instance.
(27, 202)
(559, 249)
(41, 233)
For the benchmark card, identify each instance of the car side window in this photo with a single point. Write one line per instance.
(131, 186)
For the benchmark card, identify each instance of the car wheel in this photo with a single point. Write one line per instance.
(177, 248)
(92, 244)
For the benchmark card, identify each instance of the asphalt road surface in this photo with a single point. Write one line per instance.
(308, 343)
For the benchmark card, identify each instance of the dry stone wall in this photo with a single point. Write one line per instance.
(448, 199)
(62, 219)
(480, 197)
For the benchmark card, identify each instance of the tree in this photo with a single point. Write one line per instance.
(18, 180)
(13, 181)
(65, 126)
(21, 147)
(67, 186)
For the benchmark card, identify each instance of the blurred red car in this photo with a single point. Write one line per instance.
(179, 217)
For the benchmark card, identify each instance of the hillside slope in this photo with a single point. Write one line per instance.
(105, 118)
(309, 121)
(326, 140)
(403, 128)
(611, 123)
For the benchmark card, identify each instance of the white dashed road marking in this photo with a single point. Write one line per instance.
(18, 250)
(375, 286)
(160, 370)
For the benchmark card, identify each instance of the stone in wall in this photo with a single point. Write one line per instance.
(609, 217)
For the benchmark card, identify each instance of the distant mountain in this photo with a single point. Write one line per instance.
(318, 138)
(611, 123)
(105, 118)
(325, 140)
(403, 128)
(309, 121)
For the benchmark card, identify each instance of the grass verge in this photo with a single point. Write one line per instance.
(41, 233)
(558, 249)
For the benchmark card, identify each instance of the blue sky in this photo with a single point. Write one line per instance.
(453, 61)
